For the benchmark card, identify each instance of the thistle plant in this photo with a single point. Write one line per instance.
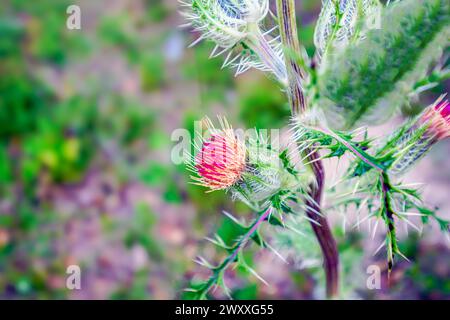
(371, 59)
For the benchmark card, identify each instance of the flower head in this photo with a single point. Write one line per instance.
(221, 159)
(226, 22)
(416, 138)
(437, 119)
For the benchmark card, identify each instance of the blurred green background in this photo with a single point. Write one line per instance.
(86, 178)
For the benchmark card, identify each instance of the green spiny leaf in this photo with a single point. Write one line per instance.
(370, 79)
(287, 164)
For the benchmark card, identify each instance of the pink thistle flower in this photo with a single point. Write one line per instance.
(221, 160)
(431, 126)
(437, 118)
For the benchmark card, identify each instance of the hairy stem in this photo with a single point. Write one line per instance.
(288, 29)
(289, 38)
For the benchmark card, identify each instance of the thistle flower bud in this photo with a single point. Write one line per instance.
(252, 172)
(351, 14)
(437, 120)
(226, 22)
(415, 139)
(231, 22)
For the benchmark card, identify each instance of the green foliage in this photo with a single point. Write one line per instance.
(155, 174)
(157, 11)
(172, 193)
(12, 36)
(116, 31)
(46, 32)
(305, 35)
(65, 157)
(423, 272)
(262, 105)
(24, 97)
(122, 119)
(61, 145)
(369, 79)
(249, 292)
(30, 241)
(152, 71)
(137, 290)
(5, 165)
(204, 204)
(141, 232)
(205, 70)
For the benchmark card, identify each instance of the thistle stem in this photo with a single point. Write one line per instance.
(250, 232)
(389, 220)
(322, 229)
(289, 38)
(234, 253)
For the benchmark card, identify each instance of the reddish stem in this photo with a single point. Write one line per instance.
(322, 229)
(297, 100)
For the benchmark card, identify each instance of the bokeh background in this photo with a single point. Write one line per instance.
(86, 118)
